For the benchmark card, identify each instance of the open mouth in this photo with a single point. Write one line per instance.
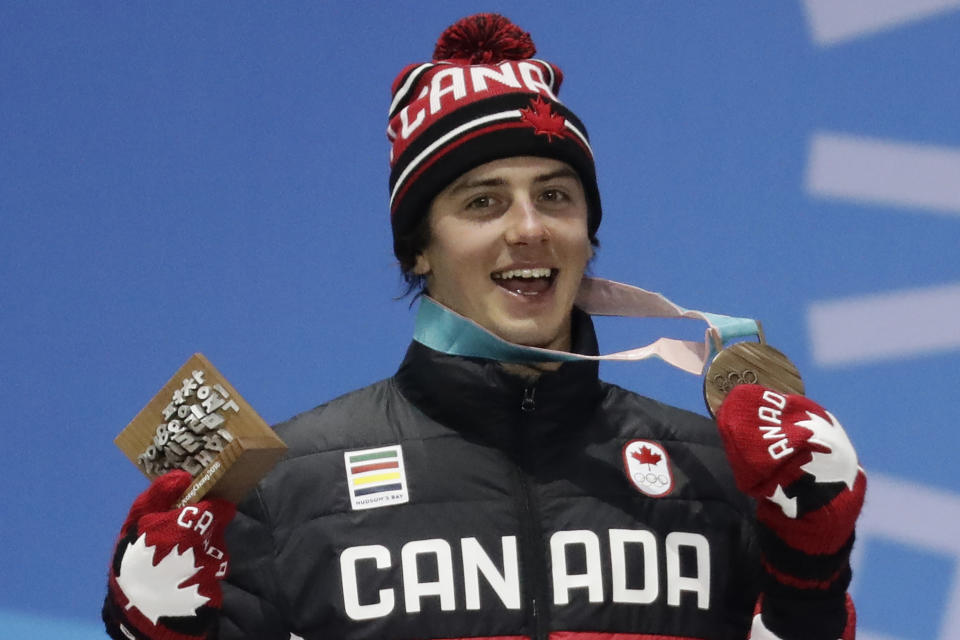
(525, 282)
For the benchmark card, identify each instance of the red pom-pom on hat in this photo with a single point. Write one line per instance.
(484, 38)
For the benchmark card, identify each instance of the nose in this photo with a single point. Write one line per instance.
(527, 224)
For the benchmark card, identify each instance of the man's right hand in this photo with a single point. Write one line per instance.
(165, 577)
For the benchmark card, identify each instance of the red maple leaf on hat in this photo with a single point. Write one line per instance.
(646, 456)
(543, 120)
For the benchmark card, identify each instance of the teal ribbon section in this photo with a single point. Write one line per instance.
(442, 330)
(730, 329)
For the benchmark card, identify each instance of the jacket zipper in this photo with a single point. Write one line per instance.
(528, 404)
(533, 552)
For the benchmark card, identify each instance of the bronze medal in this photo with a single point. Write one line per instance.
(749, 363)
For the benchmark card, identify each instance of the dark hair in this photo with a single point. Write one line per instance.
(407, 247)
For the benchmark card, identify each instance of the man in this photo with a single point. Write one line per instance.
(467, 497)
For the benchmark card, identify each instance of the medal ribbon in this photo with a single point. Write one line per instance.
(446, 331)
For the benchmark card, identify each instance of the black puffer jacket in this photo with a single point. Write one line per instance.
(455, 500)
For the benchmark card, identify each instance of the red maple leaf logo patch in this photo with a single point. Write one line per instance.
(544, 121)
(646, 456)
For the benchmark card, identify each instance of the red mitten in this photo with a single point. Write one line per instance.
(165, 577)
(795, 459)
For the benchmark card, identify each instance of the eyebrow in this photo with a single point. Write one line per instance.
(564, 172)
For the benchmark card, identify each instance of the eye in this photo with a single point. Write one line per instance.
(554, 195)
(481, 202)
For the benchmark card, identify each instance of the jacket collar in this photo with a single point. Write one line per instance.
(479, 395)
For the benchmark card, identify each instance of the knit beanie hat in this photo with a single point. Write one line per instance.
(483, 97)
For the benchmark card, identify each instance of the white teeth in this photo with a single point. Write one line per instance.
(539, 272)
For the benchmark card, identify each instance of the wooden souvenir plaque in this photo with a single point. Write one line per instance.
(198, 422)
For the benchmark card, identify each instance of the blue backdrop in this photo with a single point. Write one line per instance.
(181, 177)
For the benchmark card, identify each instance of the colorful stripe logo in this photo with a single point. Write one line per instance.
(376, 477)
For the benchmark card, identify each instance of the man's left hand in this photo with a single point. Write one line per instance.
(796, 460)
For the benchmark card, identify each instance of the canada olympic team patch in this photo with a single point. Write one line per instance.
(647, 465)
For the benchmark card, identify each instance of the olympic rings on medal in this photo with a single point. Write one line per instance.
(727, 382)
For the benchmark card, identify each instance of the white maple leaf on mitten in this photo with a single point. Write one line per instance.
(840, 463)
(155, 589)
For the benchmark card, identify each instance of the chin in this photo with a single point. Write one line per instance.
(528, 334)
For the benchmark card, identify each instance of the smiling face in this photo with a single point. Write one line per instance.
(508, 248)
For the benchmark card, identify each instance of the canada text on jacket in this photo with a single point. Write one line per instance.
(472, 563)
